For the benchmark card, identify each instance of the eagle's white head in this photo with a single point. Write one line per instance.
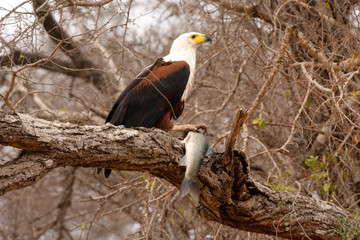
(191, 41)
(184, 49)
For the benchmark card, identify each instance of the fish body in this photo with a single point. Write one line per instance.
(196, 147)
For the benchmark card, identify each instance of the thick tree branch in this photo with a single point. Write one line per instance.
(54, 30)
(237, 201)
(52, 144)
(21, 58)
(69, 47)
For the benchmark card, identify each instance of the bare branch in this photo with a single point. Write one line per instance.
(272, 74)
(253, 10)
(21, 58)
(87, 3)
(309, 47)
(241, 117)
(283, 147)
(309, 79)
(12, 83)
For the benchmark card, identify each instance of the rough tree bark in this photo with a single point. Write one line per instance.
(239, 201)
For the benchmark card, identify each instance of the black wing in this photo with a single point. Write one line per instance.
(157, 90)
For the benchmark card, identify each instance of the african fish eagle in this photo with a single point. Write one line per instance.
(157, 94)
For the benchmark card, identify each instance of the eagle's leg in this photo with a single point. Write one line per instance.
(165, 124)
(187, 127)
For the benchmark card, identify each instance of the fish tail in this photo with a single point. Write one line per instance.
(190, 187)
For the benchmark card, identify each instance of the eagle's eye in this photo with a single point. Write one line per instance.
(193, 36)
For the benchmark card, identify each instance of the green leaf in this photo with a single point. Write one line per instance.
(288, 93)
(308, 101)
(287, 228)
(311, 161)
(327, 5)
(83, 226)
(182, 210)
(326, 188)
(172, 220)
(256, 120)
(328, 102)
(315, 176)
(22, 56)
(329, 157)
(354, 93)
(262, 124)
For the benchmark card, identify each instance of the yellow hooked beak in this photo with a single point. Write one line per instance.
(200, 38)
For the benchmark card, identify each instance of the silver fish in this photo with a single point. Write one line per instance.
(196, 147)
